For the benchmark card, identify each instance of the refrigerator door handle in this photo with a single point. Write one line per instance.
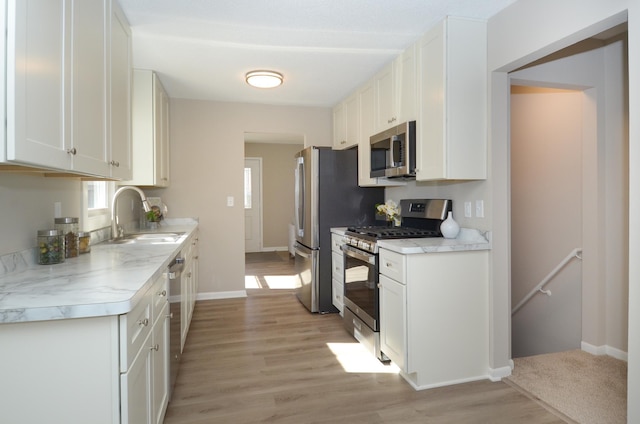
(299, 196)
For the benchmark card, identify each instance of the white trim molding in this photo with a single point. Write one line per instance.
(221, 295)
(497, 374)
(604, 350)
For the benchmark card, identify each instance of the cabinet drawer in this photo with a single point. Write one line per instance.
(393, 265)
(134, 329)
(159, 296)
(337, 289)
(337, 266)
(336, 241)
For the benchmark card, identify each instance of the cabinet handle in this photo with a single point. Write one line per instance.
(343, 142)
(72, 151)
(143, 322)
(115, 163)
(156, 347)
(379, 285)
(170, 316)
(163, 293)
(188, 274)
(388, 264)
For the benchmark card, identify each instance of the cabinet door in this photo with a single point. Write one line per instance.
(431, 151)
(451, 134)
(339, 126)
(393, 321)
(366, 97)
(160, 366)
(353, 120)
(135, 385)
(161, 123)
(407, 85)
(37, 38)
(386, 116)
(337, 289)
(88, 88)
(120, 104)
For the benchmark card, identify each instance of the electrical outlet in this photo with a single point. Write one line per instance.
(467, 209)
(479, 209)
(229, 201)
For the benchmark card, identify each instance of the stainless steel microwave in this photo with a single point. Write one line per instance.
(393, 152)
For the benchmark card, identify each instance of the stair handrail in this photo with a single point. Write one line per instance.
(575, 253)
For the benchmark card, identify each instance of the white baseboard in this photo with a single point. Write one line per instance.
(442, 383)
(604, 350)
(273, 249)
(497, 374)
(221, 295)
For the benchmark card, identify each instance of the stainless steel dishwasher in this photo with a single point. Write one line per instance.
(175, 314)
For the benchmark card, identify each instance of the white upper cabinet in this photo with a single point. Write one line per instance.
(407, 83)
(346, 126)
(120, 112)
(395, 91)
(451, 127)
(385, 102)
(37, 39)
(150, 131)
(58, 94)
(88, 89)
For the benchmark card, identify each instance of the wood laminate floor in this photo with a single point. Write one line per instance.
(266, 359)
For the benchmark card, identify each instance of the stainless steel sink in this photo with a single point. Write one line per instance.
(147, 238)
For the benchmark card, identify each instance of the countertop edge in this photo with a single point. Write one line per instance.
(127, 298)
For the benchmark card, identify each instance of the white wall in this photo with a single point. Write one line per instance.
(26, 206)
(207, 163)
(546, 218)
(526, 31)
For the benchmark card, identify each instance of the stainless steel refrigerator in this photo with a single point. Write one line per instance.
(326, 195)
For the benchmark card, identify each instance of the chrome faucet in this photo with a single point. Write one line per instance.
(117, 231)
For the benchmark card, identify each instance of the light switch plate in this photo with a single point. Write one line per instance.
(229, 201)
(479, 209)
(467, 209)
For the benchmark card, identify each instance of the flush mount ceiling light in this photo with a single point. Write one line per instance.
(264, 79)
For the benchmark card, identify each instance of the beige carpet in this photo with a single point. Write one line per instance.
(587, 388)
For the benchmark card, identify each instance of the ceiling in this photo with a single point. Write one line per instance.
(201, 49)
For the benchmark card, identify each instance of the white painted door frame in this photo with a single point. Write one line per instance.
(253, 217)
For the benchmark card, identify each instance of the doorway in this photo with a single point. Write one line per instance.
(252, 204)
(583, 195)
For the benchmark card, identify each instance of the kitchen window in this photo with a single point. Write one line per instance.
(96, 198)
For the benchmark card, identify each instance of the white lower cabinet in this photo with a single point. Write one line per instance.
(337, 272)
(393, 321)
(136, 390)
(189, 285)
(434, 318)
(145, 382)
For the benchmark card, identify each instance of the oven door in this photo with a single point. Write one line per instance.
(361, 285)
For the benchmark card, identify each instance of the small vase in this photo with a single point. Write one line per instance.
(449, 227)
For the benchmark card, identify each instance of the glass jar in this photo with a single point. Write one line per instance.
(69, 228)
(84, 242)
(50, 247)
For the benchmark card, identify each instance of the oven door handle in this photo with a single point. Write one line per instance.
(358, 254)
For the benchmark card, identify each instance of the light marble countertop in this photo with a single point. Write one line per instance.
(339, 230)
(468, 239)
(110, 280)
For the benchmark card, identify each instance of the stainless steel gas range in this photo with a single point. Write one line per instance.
(421, 218)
